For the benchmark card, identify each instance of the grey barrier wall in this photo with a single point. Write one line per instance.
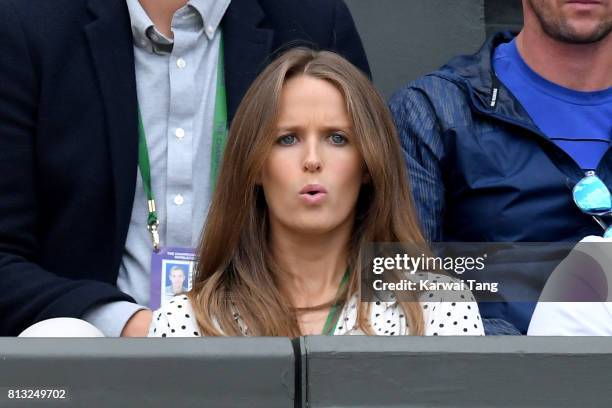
(214, 372)
(405, 39)
(456, 372)
(343, 371)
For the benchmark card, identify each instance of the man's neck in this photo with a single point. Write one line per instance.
(581, 67)
(161, 13)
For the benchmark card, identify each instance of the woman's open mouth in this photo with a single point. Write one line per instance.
(313, 194)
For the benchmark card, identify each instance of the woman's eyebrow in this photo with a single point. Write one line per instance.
(326, 127)
(339, 126)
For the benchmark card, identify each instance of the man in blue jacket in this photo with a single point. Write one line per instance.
(74, 76)
(495, 141)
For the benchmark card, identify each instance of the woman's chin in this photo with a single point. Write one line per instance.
(316, 226)
(312, 223)
(313, 227)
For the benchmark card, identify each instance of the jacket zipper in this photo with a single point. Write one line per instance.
(578, 172)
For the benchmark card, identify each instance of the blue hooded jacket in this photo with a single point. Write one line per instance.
(481, 171)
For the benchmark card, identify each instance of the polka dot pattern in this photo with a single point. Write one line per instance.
(442, 318)
(177, 319)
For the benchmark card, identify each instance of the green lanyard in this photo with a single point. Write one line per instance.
(219, 131)
(334, 312)
(219, 139)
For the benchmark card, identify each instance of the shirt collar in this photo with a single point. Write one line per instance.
(209, 13)
(140, 22)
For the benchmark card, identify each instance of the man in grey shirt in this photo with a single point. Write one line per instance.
(176, 64)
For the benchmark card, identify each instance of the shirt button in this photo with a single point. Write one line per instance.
(181, 63)
(210, 31)
(179, 133)
(178, 199)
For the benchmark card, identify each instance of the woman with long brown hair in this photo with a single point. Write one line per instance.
(312, 173)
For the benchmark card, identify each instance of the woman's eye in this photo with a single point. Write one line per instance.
(338, 139)
(287, 140)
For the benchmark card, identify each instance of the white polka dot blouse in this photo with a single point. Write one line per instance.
(441, 318)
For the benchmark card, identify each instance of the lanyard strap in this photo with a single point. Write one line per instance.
(145, 174)
(334, 312)
(219, 131)
(219, 139)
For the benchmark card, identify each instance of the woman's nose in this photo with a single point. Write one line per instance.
(312, 159)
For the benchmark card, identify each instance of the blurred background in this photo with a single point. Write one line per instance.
(405, 39)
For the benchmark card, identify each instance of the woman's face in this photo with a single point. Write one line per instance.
(312, 176)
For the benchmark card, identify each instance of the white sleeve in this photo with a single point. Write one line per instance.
(451, 317)
(175, 319)
(160, 326)
(575, 318)
(571, 319)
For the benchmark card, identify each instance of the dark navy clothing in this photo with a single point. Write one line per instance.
(482, 171)
(578, 122)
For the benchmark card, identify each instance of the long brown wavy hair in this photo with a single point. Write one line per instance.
(236, 273)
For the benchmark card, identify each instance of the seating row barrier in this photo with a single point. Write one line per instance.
(317, 371)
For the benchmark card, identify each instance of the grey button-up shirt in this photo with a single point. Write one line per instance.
(176, 85)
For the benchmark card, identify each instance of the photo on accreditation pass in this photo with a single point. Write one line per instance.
(175, 279)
